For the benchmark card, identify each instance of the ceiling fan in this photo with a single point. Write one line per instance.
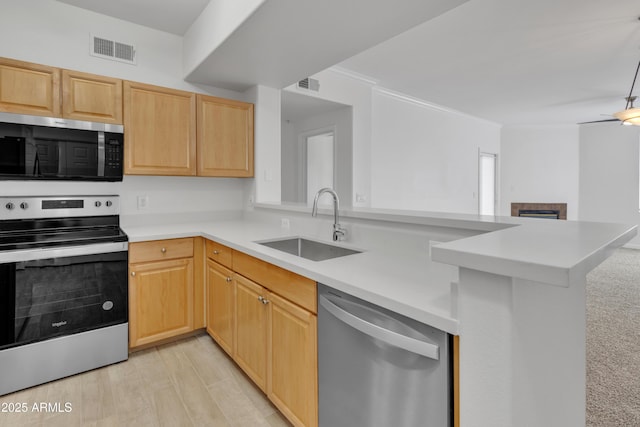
(630, 115)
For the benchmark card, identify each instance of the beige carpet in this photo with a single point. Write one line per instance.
(613, 341)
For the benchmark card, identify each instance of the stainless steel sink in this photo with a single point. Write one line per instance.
(309, 249)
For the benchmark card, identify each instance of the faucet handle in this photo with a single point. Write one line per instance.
(339, 233)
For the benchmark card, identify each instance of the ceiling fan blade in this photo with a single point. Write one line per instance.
(599, 121)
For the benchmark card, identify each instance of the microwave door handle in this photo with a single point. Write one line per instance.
(390, 337)
(101, 153)
(36, 164)
(62, 158)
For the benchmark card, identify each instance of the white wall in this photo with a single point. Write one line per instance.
(56, 34)
(424, 157)
(289, 158)
(266, 187)
(408, 154)
(293, 159)
(593, 167)
(218, 20)
(338, 86)
(609, 174)
(53, 33)
(540, 164)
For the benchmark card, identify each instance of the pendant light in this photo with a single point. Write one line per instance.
(630, 115)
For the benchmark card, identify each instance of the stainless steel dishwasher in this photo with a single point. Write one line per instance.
(377, 368)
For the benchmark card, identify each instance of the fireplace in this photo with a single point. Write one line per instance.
(540, 210)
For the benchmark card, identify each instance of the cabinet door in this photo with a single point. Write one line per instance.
(220, 305)
(293, 361)
(251, 330)
(225, 137)
(28, 88)
(160, 300)
(90, 97)
(160, 125)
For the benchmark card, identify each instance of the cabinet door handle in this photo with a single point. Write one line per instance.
(163, 250)
(229, 279)
(133, 273)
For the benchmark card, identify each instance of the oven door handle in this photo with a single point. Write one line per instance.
(59, 252)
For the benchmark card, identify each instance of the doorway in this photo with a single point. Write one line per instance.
(487, 183)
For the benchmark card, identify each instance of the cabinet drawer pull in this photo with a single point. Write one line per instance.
(216, 252)
(163, 250)
(229, 279)
(133, 273)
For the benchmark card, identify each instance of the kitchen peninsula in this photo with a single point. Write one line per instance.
(513, 289)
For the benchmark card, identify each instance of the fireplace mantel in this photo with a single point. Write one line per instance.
(561, 208)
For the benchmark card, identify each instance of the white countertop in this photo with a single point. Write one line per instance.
(406, 282)
(553, 252)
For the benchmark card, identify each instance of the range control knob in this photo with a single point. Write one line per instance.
(24, 205)
(98, 204)
(9, 206)
(109, 203)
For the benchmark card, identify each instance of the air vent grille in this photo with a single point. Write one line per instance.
(309, 84)
(109, 49)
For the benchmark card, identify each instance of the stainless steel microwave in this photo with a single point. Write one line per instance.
(47, 148)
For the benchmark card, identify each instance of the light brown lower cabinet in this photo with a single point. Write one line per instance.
(274, 339)
(220, 305)
(162, 300)
(456, 381)
(165, 299)
(292, 383)
(252, 317)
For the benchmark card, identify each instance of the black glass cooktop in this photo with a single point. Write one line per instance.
(35, 233)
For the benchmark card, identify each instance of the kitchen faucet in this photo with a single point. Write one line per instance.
(339, 233)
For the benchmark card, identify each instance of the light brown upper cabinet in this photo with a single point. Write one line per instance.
(28, 88)
(225, 137)
(160, 130)
(91, 97)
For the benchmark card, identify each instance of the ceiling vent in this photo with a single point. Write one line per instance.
(116, 51)
(309, 84)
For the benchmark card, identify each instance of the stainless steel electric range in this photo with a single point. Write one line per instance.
(63, 288)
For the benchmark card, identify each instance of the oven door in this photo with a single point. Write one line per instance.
(46, 293)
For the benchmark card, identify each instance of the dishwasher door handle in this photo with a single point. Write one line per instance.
(390, 337)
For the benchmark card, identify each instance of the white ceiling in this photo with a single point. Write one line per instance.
(508, 61)
(172, 16)
(284, 41)
(297, 106)
(516, 61)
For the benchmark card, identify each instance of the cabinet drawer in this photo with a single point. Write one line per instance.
(220, 253)
(160, 250)
(297, 289)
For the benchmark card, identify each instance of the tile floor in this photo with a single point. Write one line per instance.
(191, 382)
